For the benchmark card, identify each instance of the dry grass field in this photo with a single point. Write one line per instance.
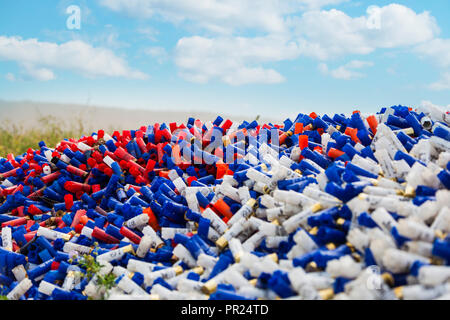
(24, 124)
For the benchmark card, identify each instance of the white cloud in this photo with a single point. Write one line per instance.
(38, 58)
(438, 50)
(221, 16)
(347, 71)
(317, 4)
(111, 40)
(247, 75)
(401, 26)
(233, 60)
(148, 32)
(322, 35)
(286, 29)
(159, 53)
(327, 34)
(441, 84)
(36, 73)
(357, 64)
(10, 77)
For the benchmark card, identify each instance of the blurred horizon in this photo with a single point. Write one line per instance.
(95, 117)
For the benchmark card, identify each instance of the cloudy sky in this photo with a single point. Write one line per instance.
(268, 57)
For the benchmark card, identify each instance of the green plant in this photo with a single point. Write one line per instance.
(108, 281)
(90, 264)
(3, 291)
(92, 267)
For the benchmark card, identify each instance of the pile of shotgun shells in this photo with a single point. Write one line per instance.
(320, 207)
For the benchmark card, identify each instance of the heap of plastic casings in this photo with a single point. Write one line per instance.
(317, 208)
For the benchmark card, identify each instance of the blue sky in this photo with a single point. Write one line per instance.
(243, 57)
